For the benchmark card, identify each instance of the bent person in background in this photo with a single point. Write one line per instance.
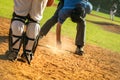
(77, 10)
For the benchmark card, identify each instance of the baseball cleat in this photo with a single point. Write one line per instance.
(27, 57)
(79, 51)
(12, 56)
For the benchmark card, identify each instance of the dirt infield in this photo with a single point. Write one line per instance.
(49, 63)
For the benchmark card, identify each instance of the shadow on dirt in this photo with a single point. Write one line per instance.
(3, 39)
(4, 56)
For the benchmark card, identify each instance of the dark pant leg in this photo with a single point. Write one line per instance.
(48, 25)
(51, 22)
(80, 36)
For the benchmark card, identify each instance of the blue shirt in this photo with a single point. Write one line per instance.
(70, 4)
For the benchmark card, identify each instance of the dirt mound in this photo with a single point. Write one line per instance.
(108, 26)
(50, 63)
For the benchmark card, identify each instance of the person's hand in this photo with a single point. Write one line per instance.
(50, 3)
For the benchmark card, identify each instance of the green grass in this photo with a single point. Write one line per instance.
(107, 16)
(6, 8)
(95, 34)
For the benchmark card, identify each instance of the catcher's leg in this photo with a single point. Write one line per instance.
(15, 36)
(30, 40)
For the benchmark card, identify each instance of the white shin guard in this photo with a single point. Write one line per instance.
(17, 29)
(32, 33)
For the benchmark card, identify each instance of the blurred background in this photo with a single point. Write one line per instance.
(105, 5)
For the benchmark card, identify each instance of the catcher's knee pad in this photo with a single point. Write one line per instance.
(31, 37)
(16, 32)
(16, 17)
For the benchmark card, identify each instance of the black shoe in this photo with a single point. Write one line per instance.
(12, 55)
(27, 57)
(79, 51)
(23, 58)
